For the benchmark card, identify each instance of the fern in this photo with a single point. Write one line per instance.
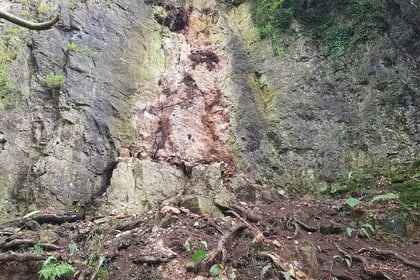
(388, 196)
(53, 269)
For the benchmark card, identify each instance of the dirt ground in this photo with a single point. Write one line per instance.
(286, 239)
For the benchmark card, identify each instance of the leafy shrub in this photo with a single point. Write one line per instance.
(10, 94)
(335, 24)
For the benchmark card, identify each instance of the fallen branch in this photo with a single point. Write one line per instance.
(366, 267)
(392, 253)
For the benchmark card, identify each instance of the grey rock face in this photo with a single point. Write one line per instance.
(56, 146)
(292, 121)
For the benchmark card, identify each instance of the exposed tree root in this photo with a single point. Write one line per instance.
(286, 266)
(223, 240)
(392, 253)
(44, 219)
(57, 219)
(297, 230)
(246, 214)
(366, 267)
(305, 226)
(84, 274)
(27, 243)
(12, 256)
(298, 225)
(238, 211)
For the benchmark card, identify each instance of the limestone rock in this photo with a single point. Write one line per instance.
(138, 185)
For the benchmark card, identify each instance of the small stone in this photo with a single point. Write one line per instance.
(169, 209)
(394, 224)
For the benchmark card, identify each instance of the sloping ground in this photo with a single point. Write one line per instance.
(285, 239)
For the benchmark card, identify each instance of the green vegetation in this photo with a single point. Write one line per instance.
(10, 94)
(352, 202)
(53, 80)
(402, 183)
(409, 192)
(365, 230)
(53, 269)
(346, 259)
(44, 8)
(387, 196)
(73, 47)
(405, 179)
(199, 256)
(336, 25)
(216, 270)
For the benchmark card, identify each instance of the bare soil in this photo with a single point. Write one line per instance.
(285, 239)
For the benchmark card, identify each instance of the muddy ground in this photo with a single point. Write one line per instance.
(290, 238)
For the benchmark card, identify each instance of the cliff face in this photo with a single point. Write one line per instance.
(197, 102)
(305, 117)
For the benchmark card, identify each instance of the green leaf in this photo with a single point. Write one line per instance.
(216, 269)
(72, 249)
(348, 261)
(369, 227)
(349, 231)
(352, 202)
(282, 192)
(199, 256)
(388, 196)
(232, 276)
(37, 249)
(350, 175)
(363, 233)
